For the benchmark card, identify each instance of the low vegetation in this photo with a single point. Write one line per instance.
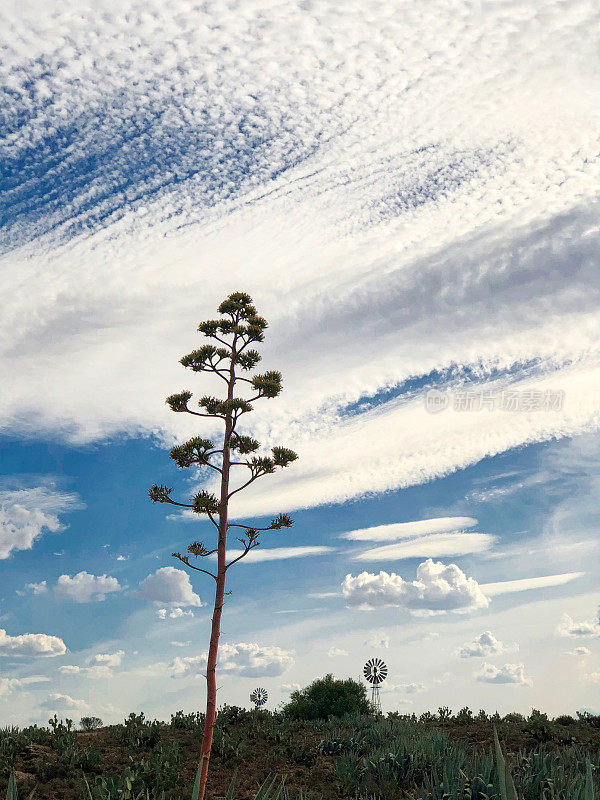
(441, 756)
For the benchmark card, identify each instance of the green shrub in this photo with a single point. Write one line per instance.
(328, 697)
(565, 719)
(187, 722)
(138, 732)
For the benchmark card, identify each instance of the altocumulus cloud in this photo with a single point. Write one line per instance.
(86, 588)
(248, 660)
(438, 588)
(301, 136)
(509, 673)
(486, 644)
(31, 644)
(169, 586)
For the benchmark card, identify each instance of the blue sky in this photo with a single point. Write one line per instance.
(411, 198)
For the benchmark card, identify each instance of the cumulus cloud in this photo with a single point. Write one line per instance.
(484, 645)
(409, 530)
(248, 660)
(580, 652)
(169, 586)
(31, 644)
(412, 688)
(509, 673)
(333, 652)
(8, 685)
(592, 677)
(37, 588)
(25, 514)
(584, 629)
(93, 671)
(437, 588)
(107, 659)
(173, 613)
(379, 639)
(69, 669)
(86, 588)
(63, 702)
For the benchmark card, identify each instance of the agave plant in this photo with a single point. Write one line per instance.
(11, 792)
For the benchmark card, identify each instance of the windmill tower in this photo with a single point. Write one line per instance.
(375, 671)
(259, 697)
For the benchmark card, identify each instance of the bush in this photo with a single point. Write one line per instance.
(139, 732)
(90, 723)
(328, 697)
(187, 722)
(565, 719)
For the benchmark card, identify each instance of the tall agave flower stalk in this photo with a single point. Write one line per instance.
(230, 358)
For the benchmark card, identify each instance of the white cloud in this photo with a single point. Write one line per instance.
(409, 530)
(248, 660)
(25, 514)
(31, 644)
(290, 687)
(378, 640)
(333, 652)
(278, 553)
(484, 645)
(8, 685)
(438, 587)
(412, 688)
(107, 659)
(509, 673)
(169, 586)
(94, 671)
(412, 230)
(592, 677)
(580, 652)
(173, 613)
(405, 445)
(86, 588)
(438, 544)
(37, 588)
(63, 702)
(526, 584)
(587, 628)
(181, 644)
(69, 669)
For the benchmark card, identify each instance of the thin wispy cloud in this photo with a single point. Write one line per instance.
(527, 584)
(261, 554)
(409, 530)
(435, 545)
